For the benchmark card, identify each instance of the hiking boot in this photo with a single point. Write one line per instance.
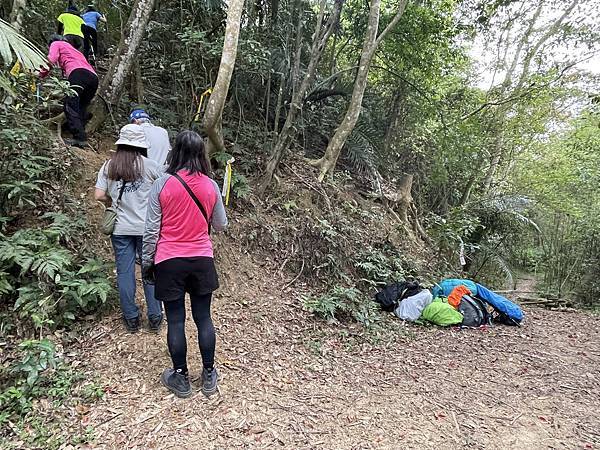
(75, 143)
(177, 382)
(132, 325)
(209, 381)
(154, 323)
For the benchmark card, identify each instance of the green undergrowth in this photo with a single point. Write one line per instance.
(40, 391)
(50, 276)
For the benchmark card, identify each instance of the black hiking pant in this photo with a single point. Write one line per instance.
(85, 83)
(90, 42)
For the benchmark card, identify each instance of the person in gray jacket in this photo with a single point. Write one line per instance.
(157, 137)
(178, 254)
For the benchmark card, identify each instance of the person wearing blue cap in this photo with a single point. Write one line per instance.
(157, 137)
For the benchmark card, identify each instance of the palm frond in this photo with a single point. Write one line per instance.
(14, 46)
(515, 206)
(7, 86)
(525, 220)
(361, 147)
(505, 268)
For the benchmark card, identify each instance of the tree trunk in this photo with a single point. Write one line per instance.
(466, 194)
(136, 85)
(288, 131)
(332, 62)
(109, 92)
(274, 14)
(16, 15)
(526, 51)
(494, 163)
(332, 153)
(278, 105)
(405, 196)
(213, 116)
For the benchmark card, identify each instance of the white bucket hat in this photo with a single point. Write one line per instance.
(132, 134)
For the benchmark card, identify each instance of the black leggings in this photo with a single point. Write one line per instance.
(85, 84)
(175, 310)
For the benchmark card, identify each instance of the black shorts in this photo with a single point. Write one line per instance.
(176, 276)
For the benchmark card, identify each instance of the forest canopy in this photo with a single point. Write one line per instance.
(479, 120)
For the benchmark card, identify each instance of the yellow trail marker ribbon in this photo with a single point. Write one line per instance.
(204, 94)
(15, 69)
(227, 181)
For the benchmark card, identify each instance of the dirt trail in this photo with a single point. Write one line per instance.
(291, 381)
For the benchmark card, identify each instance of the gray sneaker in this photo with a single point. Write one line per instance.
(177, 382)
(154, 323)
(75, 143)
(210, 380)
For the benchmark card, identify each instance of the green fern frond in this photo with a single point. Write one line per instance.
(62, 225)
(5, 284)
(52, 262)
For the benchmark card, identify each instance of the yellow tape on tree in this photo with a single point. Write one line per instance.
(204, 94)
(227, 181)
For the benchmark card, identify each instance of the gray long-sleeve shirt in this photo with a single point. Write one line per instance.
(175, 226)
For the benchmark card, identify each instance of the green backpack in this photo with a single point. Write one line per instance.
(441, 313)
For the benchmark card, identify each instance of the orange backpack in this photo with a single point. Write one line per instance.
(457, 294)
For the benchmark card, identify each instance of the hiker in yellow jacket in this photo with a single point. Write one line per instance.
(70, 25)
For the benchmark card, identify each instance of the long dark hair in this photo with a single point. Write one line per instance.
(188, 153)
(126, 165)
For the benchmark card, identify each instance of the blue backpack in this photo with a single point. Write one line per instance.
(445, 287)
(507, 312)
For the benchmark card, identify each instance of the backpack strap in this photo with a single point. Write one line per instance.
(121, 193)
(196, 201)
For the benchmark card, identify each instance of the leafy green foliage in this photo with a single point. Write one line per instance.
(342, 302)
(29, 172)
(563, 177)
(48, 284)
(37, 376)
(381, 265)
(239, 183)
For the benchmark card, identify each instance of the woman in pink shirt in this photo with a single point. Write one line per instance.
(177, 249)
(83, 80)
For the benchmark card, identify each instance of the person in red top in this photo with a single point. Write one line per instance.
(83, 80)
(177, 248)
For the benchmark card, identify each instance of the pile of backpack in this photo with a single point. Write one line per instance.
(450, 302)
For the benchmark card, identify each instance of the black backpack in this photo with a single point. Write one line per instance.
(474, 311)
(389, 297)
(504, 319)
